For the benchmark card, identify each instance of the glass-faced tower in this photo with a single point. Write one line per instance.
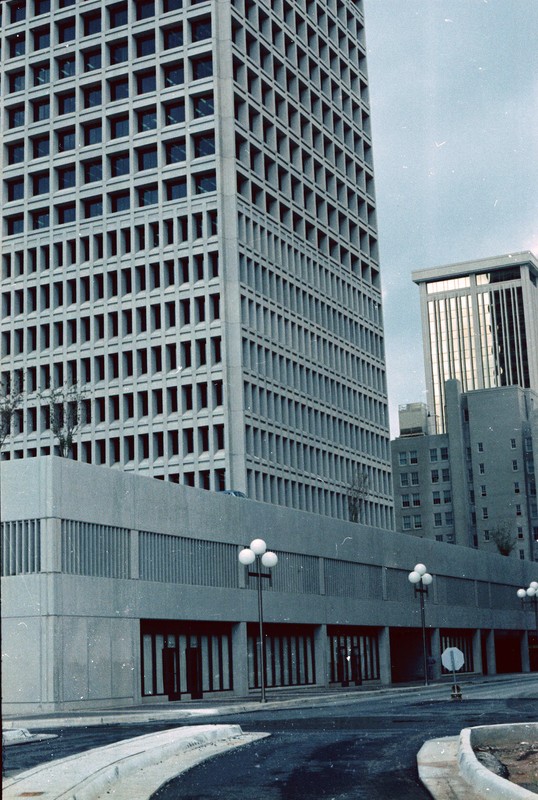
(190, 239)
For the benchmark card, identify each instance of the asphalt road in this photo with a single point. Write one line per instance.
(344, 753)
(364, 749)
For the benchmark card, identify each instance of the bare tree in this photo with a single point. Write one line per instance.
(503, 538)
(11, 397)
(65, 414)
(357, 493)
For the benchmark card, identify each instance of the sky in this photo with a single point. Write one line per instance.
(454, 108)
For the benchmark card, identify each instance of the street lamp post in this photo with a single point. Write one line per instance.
(532, 594)
(421, 579)
(259, 554)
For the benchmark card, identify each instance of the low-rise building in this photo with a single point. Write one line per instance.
(120, 589)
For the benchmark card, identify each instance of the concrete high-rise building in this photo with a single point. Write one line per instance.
(480, 326)
(475, 484)
(189, 237)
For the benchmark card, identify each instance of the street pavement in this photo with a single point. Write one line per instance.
(335, 733)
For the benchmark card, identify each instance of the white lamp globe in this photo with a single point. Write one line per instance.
(533, 585)
(246, 557)
(269, 559)
(427, 579)
(521, 593)
(414, 576)
(258, 547)
(531, 591)
(420, 568)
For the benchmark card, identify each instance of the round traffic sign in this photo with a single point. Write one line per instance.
(452, 658)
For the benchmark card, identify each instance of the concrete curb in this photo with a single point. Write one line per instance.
(449, 769)
(23, 736)
(88, 775)
(484, 782)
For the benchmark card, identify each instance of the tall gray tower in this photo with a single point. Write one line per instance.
(190, 237)
(480, 326)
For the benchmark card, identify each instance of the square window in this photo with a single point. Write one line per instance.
(66, 177)
(147, 158)
(17, 45)
(202, 67)
(174, 113)
(15, 153)
(203, 105)
(41, 146)
(18, 11)
(176, 190)
(207, 182)
(66, 213)
(119, 164)
(66, 31)
(15, 189)
(66, 140)
(118, 52)
(147, 120)
(16, 81)
(92, 96)
(41, 74)
(145, 9)
(93, 171)
(120, 201)
(67, 103)
(146, 82)
(148, 195)
(174, 75)
(40, 219)
(176, 152)
(117, 15)
(40, 183)
(92, 24)
(93, 207)
(145, 45)
(16, 117)
(172, 37)
(204, 145)
(41, 6)
(172, 5)
(119, 126)
(41, 38)
(201, 29)
(93, 133)
(92, 60)
(66, 67)
(15, 224)
(119, 89)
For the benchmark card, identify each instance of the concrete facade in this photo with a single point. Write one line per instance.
(465, 485)
(118, 589)
(190, 239)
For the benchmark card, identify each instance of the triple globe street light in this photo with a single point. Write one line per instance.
(530, 593)
(258, 553)
(421, 579)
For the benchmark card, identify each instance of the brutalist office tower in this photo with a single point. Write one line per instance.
(189, 238)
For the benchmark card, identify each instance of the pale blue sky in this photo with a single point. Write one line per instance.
(454, 98)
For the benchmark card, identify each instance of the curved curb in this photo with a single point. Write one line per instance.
(89, 774)
(483, 781)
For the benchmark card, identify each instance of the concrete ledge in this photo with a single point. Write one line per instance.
(88, 775)
(483, 781)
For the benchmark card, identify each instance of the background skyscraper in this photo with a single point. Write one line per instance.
(190, 237)
(480, 326)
